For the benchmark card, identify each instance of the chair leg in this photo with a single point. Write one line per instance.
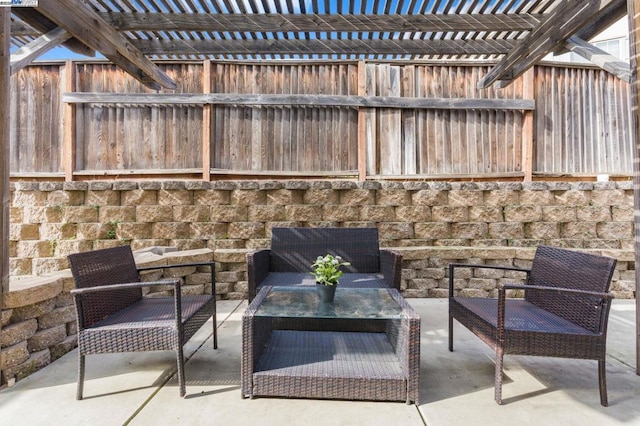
(181, 380)
(602, 378)
(80, 376)
(498, 375)
(450, 333)
(215, 332)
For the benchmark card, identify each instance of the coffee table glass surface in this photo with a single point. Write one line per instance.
(349, 303)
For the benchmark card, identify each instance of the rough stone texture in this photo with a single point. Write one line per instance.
(28, 291)
(11, 356)
(45, 338)
(58, 316)
(61, 348)
(33, 310)
(33, 363)
(17, 332)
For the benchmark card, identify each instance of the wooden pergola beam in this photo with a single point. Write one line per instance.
(28, 53)
(544, 39)
(34, 19)
(324, 47)
(87, 26)
(270, 22)
(600, 58)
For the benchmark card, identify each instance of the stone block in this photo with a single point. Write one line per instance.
(594, 213)
(5, 317)
(580, 230)
(539, 198)
(11, 356)
(301, 212)
(28, 291)
(573, 197)
(429, 197)
(28, 198)
(89, 231)
(469, 230)
(178, 272)
(393, 197)
(615, 230)
(191, 213)
(559, 214)
(117, 214)
(64, 347)
(482, 284)
(19, 266)
(321, 197)
(80, 214)
(465, 198)
(284, 197)
(266, 213)
(153, 214)
(541, 230)
(34, 310)
(615, 197)
(49, 214)
(170, 230)
(175, 197)
(485, 214)
(230, 255)
(395, 230)
(209, 230)
(450, 214)
(413, 213)
(501, 197)
(529, 213)
(422, 283)
(66, 247)
(432, 230)
(58, 316)
(340, 213)
(138, 197)
(198, 278)
(357, 197)
(601, 244)
(45, 338)
(57, 231)
(103, 198)
(211, 197)
(229, 213)
(433, 273)
(64, 299)
(508, 230)
(17, 332)
(621, 214)
(29, 231)
(246, 230)
(16, 214)
(33, 363)
(34, 249)
(377, 213)
(247, 197)
(133, 230)
(65, 198)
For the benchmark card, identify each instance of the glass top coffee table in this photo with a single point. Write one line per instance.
(363, 346)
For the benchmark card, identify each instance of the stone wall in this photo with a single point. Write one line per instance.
(431, 223)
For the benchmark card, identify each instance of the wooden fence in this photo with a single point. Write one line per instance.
(359, 119)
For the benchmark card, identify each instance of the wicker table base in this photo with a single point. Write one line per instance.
(333, 358)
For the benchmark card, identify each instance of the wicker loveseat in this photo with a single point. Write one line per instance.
(563, 314)
(293, 250)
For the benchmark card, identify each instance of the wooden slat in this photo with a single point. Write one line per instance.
(300, 99)
(600, 58)
(27, 54)
(69, 123)
(5, 122)
(206, 123)
(528, 92)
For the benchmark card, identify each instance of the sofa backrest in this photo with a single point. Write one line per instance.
(295, 249)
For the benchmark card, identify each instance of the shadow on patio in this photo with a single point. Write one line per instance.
(456, 387)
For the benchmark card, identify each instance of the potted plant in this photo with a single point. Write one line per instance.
(326, 271)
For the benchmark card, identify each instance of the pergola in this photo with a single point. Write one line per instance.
(516, 34)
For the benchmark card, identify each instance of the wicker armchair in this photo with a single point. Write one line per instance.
(293, 250)
(564, 312)
(113, 316)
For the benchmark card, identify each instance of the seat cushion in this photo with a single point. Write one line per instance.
(520, 315)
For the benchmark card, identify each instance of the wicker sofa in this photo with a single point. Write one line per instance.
(293, 250)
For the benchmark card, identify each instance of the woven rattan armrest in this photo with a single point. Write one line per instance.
(452, 267)
(503, 287)
(391, 267)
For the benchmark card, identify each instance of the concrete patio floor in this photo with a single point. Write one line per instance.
(456, 387)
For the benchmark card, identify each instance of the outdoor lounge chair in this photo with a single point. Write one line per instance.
(564, 312)
(293, 250)
(113, 316)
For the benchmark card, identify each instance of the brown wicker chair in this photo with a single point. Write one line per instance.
(113, 316)
(293, 250)
(564, 312)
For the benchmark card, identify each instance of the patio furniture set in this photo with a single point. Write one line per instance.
(363, 346)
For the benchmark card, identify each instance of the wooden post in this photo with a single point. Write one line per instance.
(633, 8)
(362, 123)
(206, 123)
(528, 92)
(5, 105)
(69, 124)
